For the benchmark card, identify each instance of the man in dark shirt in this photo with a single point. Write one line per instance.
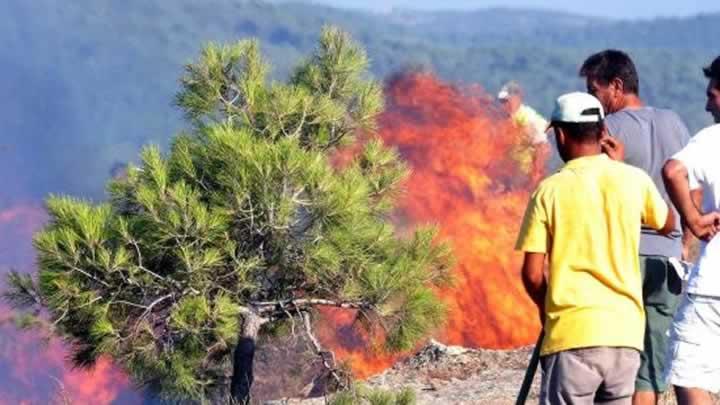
(651, 136)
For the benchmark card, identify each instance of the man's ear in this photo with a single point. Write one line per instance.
(605, 131)
(560, 136)
(617, 84)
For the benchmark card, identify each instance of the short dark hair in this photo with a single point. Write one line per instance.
(585, 132)
(612, 64)
(713, 71)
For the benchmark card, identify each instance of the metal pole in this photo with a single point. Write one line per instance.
(530, 372)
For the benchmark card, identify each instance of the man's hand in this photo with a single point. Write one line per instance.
(704, 227)
(612, 147)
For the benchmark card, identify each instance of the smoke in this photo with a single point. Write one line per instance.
(33, 368)
(464, 178)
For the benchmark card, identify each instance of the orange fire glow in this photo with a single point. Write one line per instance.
(464, 179)
(36, 371)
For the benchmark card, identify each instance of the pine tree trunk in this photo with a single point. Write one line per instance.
(243, 358)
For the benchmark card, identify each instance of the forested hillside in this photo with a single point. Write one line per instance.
(86, 83)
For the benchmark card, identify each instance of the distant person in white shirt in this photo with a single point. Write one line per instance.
(694, 351)
(511, 97)
(532, 151)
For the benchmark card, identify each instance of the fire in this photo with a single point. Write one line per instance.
(464, 180)
(351, 345)
(37, 371)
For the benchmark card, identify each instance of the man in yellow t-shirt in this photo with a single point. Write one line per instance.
(585, 218)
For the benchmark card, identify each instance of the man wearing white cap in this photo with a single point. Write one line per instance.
(585, 219)
(531, 151)
(511, 97)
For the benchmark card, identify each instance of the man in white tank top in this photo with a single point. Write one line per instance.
(694, 350)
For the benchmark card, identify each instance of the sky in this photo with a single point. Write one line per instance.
(624, 9)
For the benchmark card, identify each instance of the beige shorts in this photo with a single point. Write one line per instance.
(589, 375)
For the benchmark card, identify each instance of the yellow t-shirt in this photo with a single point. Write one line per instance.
(587, 217)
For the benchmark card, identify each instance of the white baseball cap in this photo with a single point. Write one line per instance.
(577, 107)
(511, 88)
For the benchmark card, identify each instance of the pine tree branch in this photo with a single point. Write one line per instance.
(330, 365)
(149, 308)
(83, 272)
(300, 126)
(132, 304)
(246, 311)
(64, 314)
(22, 291)
(140, 261)
(291, 318)
(68, 308)
(304, 303)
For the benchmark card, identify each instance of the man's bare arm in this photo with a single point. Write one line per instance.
(533, 276)
(669, 223)
(675, 176)
(687, 235)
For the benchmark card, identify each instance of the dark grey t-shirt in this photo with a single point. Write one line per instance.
(651, 137)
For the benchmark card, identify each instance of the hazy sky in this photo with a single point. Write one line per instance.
(604, 8)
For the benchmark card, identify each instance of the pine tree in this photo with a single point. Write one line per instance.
(244, 222)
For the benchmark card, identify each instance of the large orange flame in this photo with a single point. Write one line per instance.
(464, 179)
